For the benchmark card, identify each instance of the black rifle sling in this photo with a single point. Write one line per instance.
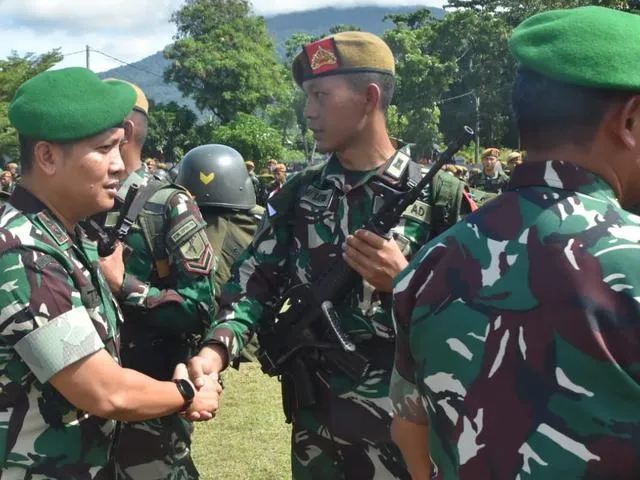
(143, 196)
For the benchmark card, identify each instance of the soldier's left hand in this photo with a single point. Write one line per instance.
(376, 259)
(113, 268)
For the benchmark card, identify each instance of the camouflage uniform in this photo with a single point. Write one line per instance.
(346, 434)
(229, 233)
(490, 184)
(56, 308)
(518, 332)
(167, 300)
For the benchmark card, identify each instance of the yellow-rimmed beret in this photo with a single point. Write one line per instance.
(342, 53)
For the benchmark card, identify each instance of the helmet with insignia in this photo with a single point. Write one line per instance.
(217, 177)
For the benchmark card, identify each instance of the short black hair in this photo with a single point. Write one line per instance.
(553, 113)
(384, 81)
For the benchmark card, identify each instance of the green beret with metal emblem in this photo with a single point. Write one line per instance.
(69, 104)
(592, 47)
(342, 53)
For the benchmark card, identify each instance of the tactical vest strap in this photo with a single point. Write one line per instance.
(152, 221)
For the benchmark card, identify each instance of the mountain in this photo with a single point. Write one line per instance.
(147, 73)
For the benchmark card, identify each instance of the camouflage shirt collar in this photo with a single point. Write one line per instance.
(335, 173)
(562, 175)
(138, 177)
(31, 206)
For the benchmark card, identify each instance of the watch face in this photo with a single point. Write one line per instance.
(189, 393)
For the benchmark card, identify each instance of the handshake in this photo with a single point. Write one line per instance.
(203, 377)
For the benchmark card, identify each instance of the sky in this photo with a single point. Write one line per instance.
(128, 30)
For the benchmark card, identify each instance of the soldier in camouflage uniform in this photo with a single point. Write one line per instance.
(168, 303)
(348, 80)
(491, 179)
(521, 354)
(228, 207)
(62, 387)
(217, 178)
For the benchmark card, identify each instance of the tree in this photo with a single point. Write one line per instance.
(421, 77)
(14, 71)
(171, 132)
(516, 11)
(224, 58)
(252, 137)
(478, 44)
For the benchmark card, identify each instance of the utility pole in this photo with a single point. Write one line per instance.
(477, 154)
(88, 54)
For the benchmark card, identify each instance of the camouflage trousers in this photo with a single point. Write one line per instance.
(346, 435)
(157, 449)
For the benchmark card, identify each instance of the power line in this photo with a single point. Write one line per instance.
(449, 99)
(127, 63)
(72, 53)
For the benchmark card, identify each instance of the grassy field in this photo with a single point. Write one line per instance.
(248, 439)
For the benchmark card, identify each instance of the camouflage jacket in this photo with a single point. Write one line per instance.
(484, 182)
(519, 331)
(56, 308)
(299, 244)
(168, 290)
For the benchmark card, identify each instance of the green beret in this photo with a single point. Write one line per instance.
(69, 104)
(345, 52)
(588, 46)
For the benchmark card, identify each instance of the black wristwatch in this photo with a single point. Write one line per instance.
(187, 392)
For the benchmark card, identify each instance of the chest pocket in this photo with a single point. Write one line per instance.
(316, 216)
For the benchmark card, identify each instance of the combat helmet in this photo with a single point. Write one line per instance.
(217, 177)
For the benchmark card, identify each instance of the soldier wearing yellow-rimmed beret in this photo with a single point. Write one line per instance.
(316, 216)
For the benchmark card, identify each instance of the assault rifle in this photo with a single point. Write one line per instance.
(306, 318)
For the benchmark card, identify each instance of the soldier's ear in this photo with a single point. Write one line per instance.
(373, 97)
(128, 130)
(47, 156)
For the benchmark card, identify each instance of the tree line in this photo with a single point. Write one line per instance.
(450, 72)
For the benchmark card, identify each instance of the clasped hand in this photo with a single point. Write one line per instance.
(207, 395)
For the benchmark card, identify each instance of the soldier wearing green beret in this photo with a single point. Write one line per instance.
(520, 359)
(314, 220)
(166, 296)
(63, 390)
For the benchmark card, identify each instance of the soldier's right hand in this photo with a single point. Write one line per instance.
(205, 403)
(210, 360)
(207, 397)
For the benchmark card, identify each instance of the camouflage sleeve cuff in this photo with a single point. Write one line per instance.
(133, 291)
(59, 343)
(223, 335)
(406, 400)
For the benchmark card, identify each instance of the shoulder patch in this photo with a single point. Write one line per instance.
(419, 211)
(197, 254)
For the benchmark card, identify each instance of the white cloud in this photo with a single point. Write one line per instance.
(126, 29)
(81, 15)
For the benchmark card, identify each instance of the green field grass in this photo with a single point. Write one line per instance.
(248, 439)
